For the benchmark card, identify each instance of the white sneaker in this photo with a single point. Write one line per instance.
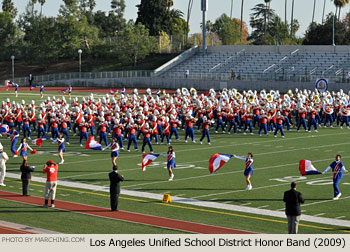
(143, 152)
(128, 150)
(316, 131)
(2, 184)
(29, 138)
(229, 133)
(275, 135)
(81, 145)
(282, 136)
(185, 141)
(15, 156)
(201, 142)
(194, 141)
(341, 127)
(216, 132)
(62, 161)
(209, 143)
(252, 133)
(53, 205)
(68, 143)
(171, 177)
(249, 187)
(244, 133)
(223, 132)
(337, 197)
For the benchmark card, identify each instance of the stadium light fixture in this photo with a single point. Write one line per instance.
(13, 67)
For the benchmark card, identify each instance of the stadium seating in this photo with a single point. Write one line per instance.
(294, 62)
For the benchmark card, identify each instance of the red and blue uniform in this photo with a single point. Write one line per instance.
(337, 168)
(171, 159)
(61, 146)
(14, 139)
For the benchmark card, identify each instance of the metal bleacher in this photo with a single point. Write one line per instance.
(268, 63)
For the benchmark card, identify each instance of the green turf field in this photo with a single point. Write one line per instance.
(275, 166)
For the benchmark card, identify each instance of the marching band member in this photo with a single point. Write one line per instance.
(205, 130)
(154, 130)
(337, 168)
(114, 150)
(170, 162)
(41, 129)
(61, 147)
(263, 123)
(26, 127)
(189, 127)
(219, 116)
(83, 128)
(132, 138)
(345, 117)
(173, 126)
(166, 131)
(42, 91)
(14, 138)
(302, 116)
(102, 129)
(231, 118)
(329, 115)
(64, 126)
(248, 171)
(279, 127)
(247, 124)
(117, 132)
(146, 138)
(23, 147)
(312, 118)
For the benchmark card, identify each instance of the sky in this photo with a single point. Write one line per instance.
(302, 10)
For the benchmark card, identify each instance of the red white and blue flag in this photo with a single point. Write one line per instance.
(4, 129)
(147, 159)
(306, 168)
(39, 141)
(9, 84)
(217, 161)
(91, 144)
(113, 91)
(31, 87)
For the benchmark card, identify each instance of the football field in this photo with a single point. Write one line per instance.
(218, 199)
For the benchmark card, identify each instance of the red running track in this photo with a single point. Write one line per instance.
(7, 230)
(150, 220)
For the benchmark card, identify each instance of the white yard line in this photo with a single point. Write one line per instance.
(320, 214)
(187, 201)
(263, 206)
(340, 217)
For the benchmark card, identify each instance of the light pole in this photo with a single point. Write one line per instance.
(80, 52)
(13, 67)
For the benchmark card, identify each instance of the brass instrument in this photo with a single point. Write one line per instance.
(269, 98)
(316, 99)
(193, 91)
(263, 94)
(184, 91)
(329, 99)
(148, 91)
(251, 99)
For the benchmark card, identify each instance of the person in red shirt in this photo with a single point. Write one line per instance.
(154, 129)
(189, 127)
(26, 126)
(147, 138)
(263, 123)
(102, 129)
(54, 127)
(83, 128)
(205, 131)
(312, 119)
(279, 126)
(51, 169)
(117, 132)
(132, 138)
(302, 116)
(166, 131)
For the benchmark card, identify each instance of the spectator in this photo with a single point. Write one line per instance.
(233, 74)
(187, 73)
(3, 158)
(293, 199)
(26, 177)
(30, 79)
(239, 75)
(114, 188)
(51, 169)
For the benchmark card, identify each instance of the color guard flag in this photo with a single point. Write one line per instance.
(9, 84)
(306, 168)
(218, 160)
(31, 87)
(4, 129)
(64, 92)
(147, 159)
(91, 144)
(113, 91)
(39, 141)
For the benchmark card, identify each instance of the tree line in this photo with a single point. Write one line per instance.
(107, 34)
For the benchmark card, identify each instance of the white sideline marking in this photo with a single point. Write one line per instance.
(178, 195)
(320, 214)
(246, 204)
(263, 206)
(190, 201)
(340, 217)
(227, 202)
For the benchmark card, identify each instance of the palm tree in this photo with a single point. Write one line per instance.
(231, 8)
(285, 10)
(291, 23)
(42, 2)
(267, 3)
(313, 12)
(342, 5)
(242, 18)
(324, 8)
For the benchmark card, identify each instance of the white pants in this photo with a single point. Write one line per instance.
(50, 187)
(3, 174)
